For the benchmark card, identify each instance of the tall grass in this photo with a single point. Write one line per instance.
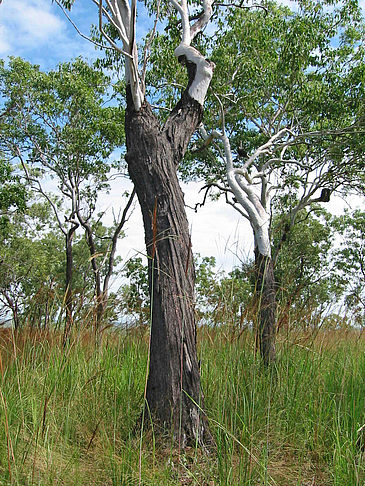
(70, 416)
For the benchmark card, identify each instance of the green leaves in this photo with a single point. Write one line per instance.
(303, 263)
(61, 121)
(135, 294)
(349, 259)
(13, 194)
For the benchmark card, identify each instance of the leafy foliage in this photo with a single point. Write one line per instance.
(31, 267)
(57, 122)
(135, 294)
(349, 260)
(220, 297)
(63, 126)
(279, 69)
(13, 194)
(66, 3)
(303, 269)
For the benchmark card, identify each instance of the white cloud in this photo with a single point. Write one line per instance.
(35, 20)
(292, 4)
(28, 26)
(39, 32)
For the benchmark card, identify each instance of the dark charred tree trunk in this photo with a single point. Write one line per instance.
(153, 153)
(266, 299)
(68, 282)
(13, 306)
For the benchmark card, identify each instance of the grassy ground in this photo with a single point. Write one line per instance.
(69, 417)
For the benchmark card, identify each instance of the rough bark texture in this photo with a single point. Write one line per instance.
(153, 155)
(265, 290)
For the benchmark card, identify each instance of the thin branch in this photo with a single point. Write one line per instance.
(255, 5)
(161, 108)
(132, 27)
(117, 22)
(107, 37)
(207, 188)
(177, 6)
(37, 187)
(115, 237)
(148, 46)
(266, 147)
(102, 46)
(184, 14)
(234, 205)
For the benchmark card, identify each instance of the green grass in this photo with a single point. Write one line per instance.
(68, 417)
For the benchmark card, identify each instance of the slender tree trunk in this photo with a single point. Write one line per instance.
(174, 395)
(113, 248)
(266, 298)
(13, 305)
(102, 292)
(16, 319)
(96, 271)
(68, 283)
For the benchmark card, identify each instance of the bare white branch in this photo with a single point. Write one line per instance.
(266, 147)
(148, 46)
(119, 24)
(183, 10)
(204, 68)
(203, 20)
(78, 30)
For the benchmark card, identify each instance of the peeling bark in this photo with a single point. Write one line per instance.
(174, 395)
(200, 71)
